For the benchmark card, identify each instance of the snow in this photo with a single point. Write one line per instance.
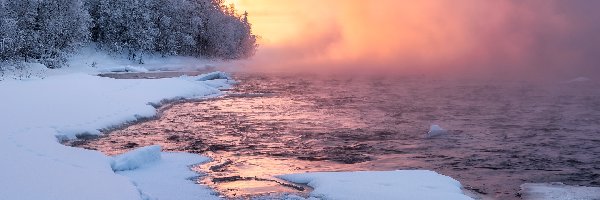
(558, 191)
(164, 176)
(36, 112)
(213, 76)
(215, 79)
(150, 178)
(136, 158)
(401, 184)
(435, 130)
(126, 68)
(91, 59)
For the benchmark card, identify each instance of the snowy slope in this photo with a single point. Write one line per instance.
(34, 112)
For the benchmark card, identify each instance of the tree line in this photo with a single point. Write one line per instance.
(47, 31)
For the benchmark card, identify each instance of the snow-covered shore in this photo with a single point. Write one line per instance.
(36, 112)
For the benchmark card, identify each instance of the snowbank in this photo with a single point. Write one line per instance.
(215, 79)
(401, 184)
(136, 158)
(35, 112)
(150, 178)
(435, 130)
(558, 191)
(91, 59)
(213, 76)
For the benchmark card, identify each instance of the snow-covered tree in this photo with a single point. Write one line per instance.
(126, 25)
(179, 22)
(42, 31)
(63, 25)
(8, 33)
(172, 27)
(27, 28)
(46, 31)
(226, 34)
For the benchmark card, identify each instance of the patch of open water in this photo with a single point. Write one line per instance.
(500, 134)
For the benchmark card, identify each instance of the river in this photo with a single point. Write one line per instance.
(500, 134)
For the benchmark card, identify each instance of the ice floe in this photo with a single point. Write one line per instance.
(435, 130)
(401, 184)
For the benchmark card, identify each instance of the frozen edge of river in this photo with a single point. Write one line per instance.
(38, 111)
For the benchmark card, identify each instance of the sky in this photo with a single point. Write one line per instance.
(504, 37)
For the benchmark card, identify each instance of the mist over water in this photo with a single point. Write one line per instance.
(511, 38)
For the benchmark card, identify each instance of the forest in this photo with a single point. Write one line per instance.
(48, 31)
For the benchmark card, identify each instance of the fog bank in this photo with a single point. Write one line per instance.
(497, 38)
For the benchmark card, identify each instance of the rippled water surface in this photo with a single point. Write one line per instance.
(500, 133)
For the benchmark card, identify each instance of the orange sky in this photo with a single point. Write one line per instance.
(408, 34)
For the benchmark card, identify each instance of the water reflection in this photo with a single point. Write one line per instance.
(501, 134)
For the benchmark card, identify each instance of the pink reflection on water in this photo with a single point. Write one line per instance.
(501, 134)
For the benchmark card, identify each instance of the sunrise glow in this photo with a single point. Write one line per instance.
(426, 34)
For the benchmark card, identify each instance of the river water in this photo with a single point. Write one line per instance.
(500, 134)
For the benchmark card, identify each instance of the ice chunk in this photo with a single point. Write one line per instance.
(558, 191)
(435, 130)
(136, 158)
(213, 76)
(401, 184)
